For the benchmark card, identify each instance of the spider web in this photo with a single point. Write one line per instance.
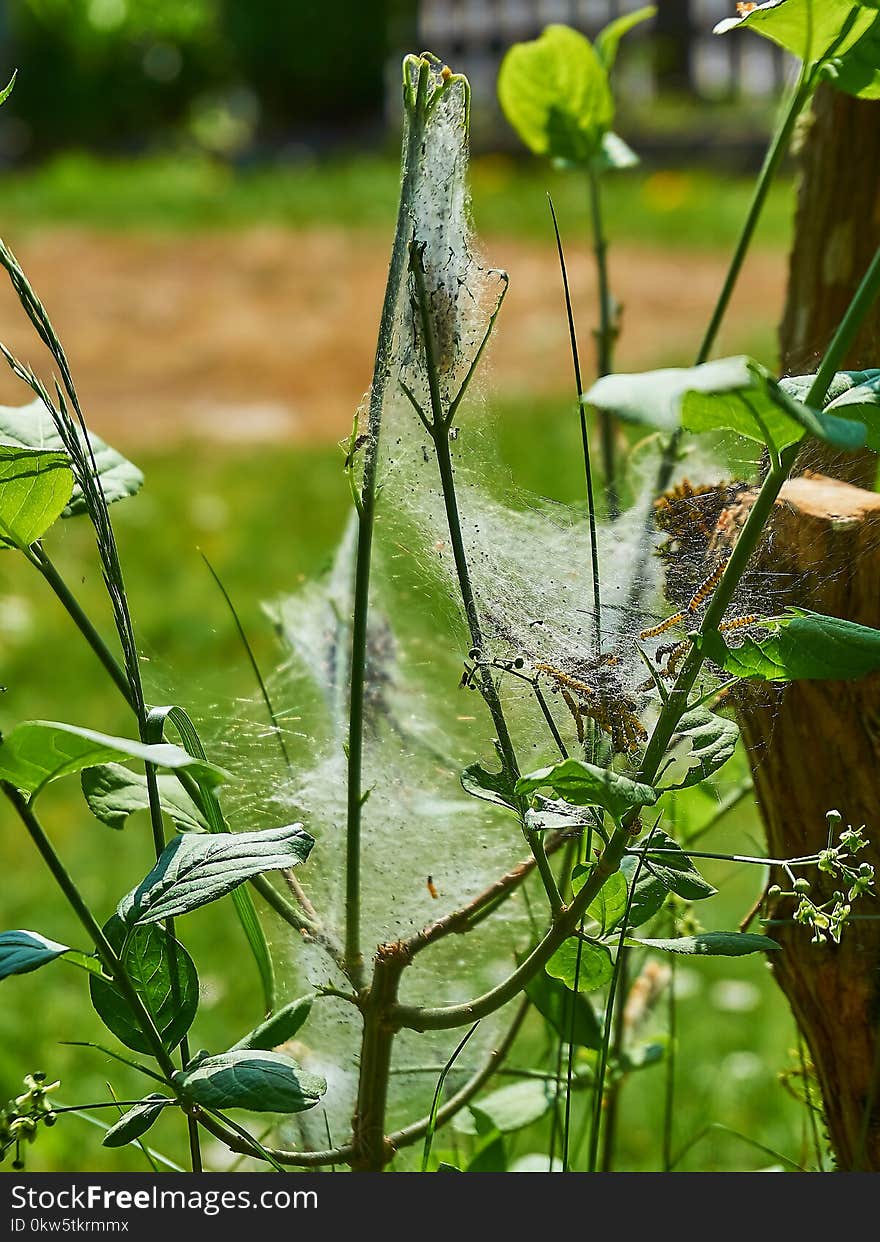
(427, 847)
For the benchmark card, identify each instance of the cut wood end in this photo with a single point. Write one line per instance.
(818, 496)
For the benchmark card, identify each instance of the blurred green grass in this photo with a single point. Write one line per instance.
(674, 208)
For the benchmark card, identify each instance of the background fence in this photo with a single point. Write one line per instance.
(674, 54)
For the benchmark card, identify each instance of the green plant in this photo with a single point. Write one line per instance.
(627, 751)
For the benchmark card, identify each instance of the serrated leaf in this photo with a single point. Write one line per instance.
(594, 971)
(730, 394)
(674, 869)
(22, 951)
(808, 29)
(280, 1027)
(508, 1109)
(194, 870)
(264, 1082)
(35, 486)
(585, 784)
(701, 745)
(113, 792)
(712, 944)
(163, 975)
(136, 1121)
(37, 752)
(490, 786)
(570, 1014)
(608, 39)
(31, 426)
(801, 646)
(555, 93)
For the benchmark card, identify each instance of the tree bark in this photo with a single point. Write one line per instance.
(815, 746)
(837, 232)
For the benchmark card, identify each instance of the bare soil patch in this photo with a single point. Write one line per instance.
(269, 334)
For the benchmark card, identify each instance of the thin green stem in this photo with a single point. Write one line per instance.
(77, 903)
(669, 1085)
(585, 439)
(438, 428)
(252, 659)
(779, 143)
(40, 560)
(608, 1026)
(438, 1091)
(605, 335)
(366, 511)
(444, 1017)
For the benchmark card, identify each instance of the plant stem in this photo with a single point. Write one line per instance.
(617, 979)
(40, 560)
(669, 1085)
(438, 1091)
(604, 340)
(252, 660)
(585, 440)
(366, 522)
(779, 143)
(438, 429)
(444, 1017)
(76, 901)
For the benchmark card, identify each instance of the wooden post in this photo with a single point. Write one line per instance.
(813, 747)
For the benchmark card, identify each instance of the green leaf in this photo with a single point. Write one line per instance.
(32, 426)
(700, 746)
(731, 394)
(37, 752)
(555, 93)
(163, 975)
(608, 39)
(674, 869)
(858, 72)
(613, 155)
(713, 944)
(508, 1109)
(23, 951)
(802, 646)
(644, 1055)
(570, 1014)
(136, 1121)
(490, 786)
(35, 486)
(280, 1027)
(808, 29)
(585, 784)
(157, 721)
(609, 904)
(649, 895)
(596, 966)
(264, 1082)
(194, 870)
(7, 89)
(113, 792)
(490, 1156)
(851, 394)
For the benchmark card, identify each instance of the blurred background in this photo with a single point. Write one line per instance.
(203, 194)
